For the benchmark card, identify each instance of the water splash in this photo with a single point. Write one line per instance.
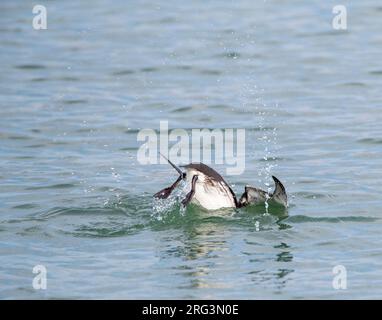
(253, 102)
(162, 207)
(267, 197)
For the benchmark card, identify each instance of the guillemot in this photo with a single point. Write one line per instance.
(209, 190)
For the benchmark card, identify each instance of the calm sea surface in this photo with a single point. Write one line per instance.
(74, 198)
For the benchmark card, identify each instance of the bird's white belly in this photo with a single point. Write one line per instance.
(212, 198)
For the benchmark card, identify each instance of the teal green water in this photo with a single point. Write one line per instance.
(74, 198)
